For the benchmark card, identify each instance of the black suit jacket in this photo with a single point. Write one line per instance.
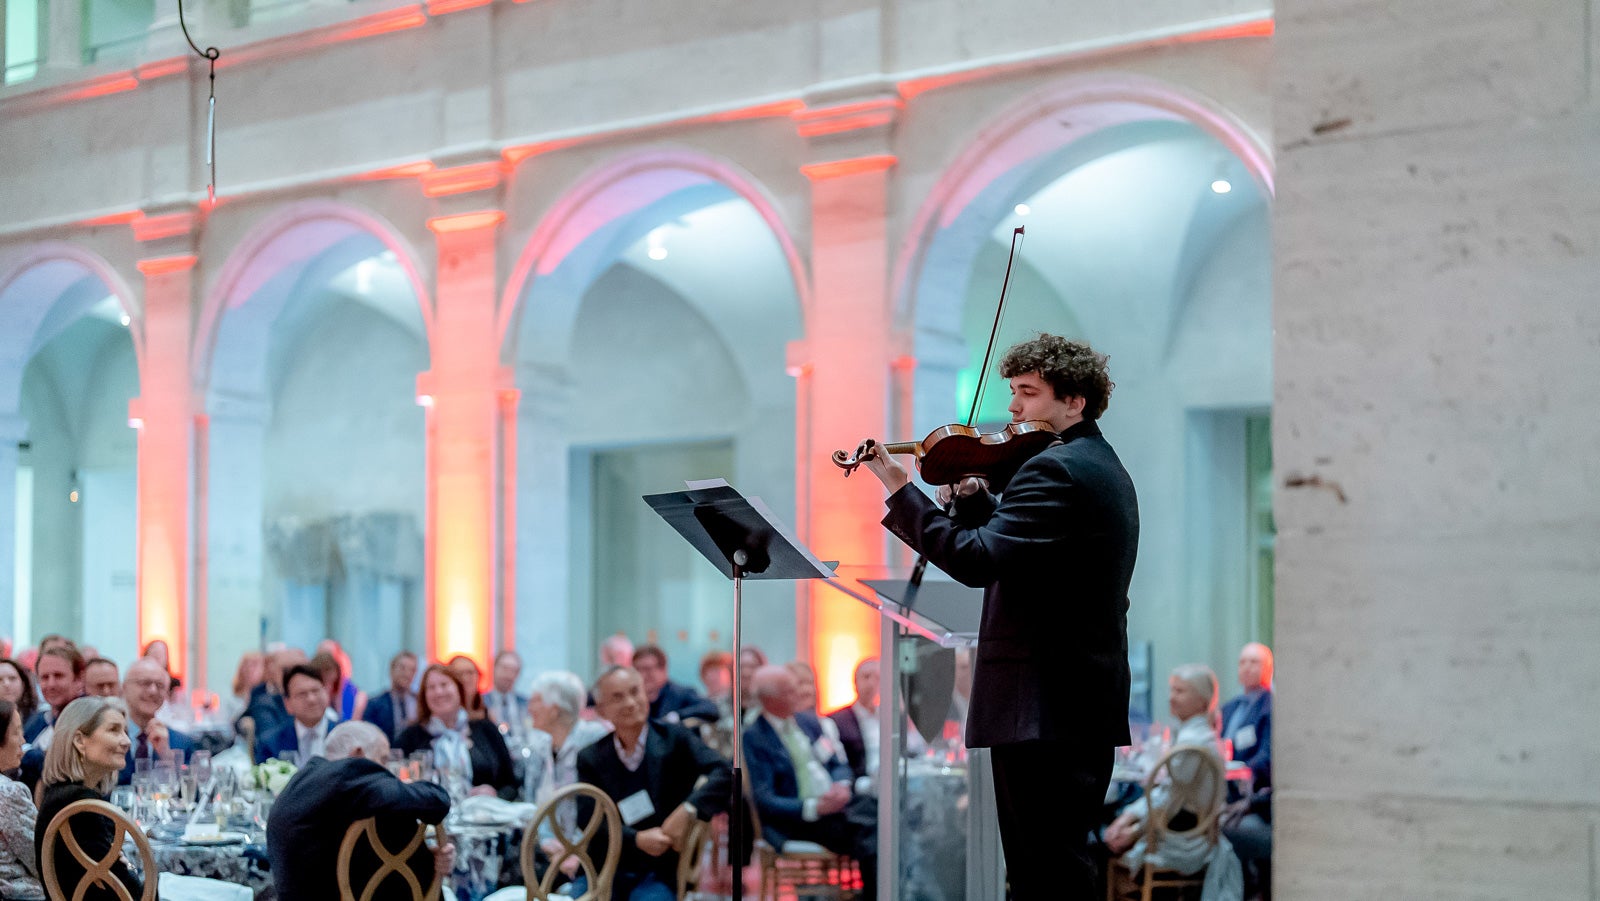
(491, 760)
(855, 747)
(684, 701)
(674, 760)
(774, 784)
(1054, 556)
(311, 814)
(380, 712)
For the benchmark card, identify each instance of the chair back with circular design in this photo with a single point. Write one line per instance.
(693, 857)
(603, 816)
(1195, 781)
(95, 871)
(398, 863)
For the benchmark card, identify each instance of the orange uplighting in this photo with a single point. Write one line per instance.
(1260, 28)
(856, 166)
(520, 152)
(460, 179)
(444, 7)
(154, 228)
(462, 222)
(760, 111)
(100, 87)
(843, 654)
(122, 218)
(381, 23)
(163, 265)
(162, 68)
(405, 170)
(846, 117)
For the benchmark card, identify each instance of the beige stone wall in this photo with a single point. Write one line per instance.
(1438, 348)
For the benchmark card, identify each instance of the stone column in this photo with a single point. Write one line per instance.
(62, 39)
(229, 561)
(164, 414)
(547, 625)
(1437, 348)
(844, 367)
(464, 416)
(13, 429)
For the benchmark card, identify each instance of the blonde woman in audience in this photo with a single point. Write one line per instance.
(88, 751)
(19, 871)
(1192, 700)
(250, 673)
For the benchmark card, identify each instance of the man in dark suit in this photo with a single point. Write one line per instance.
(800, 784)
(312, 813)
(858, 723)
(1247, 719)
(265, 707)
(305, 734)
(1054, 555)
(650, 769)
(394, 710)
(669, 700)
(60, 671)
(144, 690)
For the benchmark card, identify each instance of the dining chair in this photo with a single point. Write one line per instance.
(692, 858)
(1193, 780)
(603, 817)
(396, 863)
(799, 864)
(95, 871)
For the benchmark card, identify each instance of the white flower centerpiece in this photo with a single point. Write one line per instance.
(271, 776)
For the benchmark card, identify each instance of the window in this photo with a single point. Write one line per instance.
(21, 40)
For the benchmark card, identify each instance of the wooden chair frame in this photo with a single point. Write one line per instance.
(96, 871)
(387, 862)
(692, 857)
(792, 868)
(605, 814)
(1202, 793)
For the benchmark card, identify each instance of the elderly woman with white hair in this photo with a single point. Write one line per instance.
(1192, 700)
(555, 704)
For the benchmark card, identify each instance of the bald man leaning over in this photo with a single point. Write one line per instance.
(312, 813)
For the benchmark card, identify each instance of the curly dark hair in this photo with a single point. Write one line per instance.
(1072, 369)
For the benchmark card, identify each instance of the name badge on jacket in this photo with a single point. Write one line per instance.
(1244, 738)
(636, 807)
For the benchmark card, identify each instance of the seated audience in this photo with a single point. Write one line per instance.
(313, 812)
(158, 651)
(1192, 699)
(555, 704)
(266, 708)
(90, 747)
(306, 733)
(19, 870)
(143, 692)
(668, 700)
(57, 641)
(471, 679)
(16, 686)
(333, 683)
(459, 743)
(504, 704)
(396, 708)
(1247, 719)
(347, 698)
(751, 658)
(5, 648)
(858, 723)
(615, 650)
(716, 674)
(651, 769)
(101, 679)
(250, 672)
(802, 791)
(1247, 722)
(60, 672)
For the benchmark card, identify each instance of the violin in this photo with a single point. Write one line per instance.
(958, 451)
(954, 452)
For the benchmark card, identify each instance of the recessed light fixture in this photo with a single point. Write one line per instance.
(1022, 209)
(1221, 186)
(657, 253)
(125, 319)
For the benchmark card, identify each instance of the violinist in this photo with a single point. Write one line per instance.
(1054, 554)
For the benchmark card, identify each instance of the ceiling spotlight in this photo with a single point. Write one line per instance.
(1221, 186)
(125, 319)
(1022, 209)
(657, 253)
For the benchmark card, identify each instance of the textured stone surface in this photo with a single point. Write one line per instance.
(1437, 244)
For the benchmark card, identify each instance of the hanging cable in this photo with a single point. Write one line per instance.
(209, 54)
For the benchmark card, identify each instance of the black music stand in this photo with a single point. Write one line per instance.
(744, 540)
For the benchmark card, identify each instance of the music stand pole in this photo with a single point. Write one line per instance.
(736, 815)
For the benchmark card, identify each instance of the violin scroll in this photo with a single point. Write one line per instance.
(849, 462)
